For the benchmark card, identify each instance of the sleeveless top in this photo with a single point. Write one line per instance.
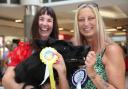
(100, 70)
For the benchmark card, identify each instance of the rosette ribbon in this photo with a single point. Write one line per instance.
(48, 57)
(79, 77)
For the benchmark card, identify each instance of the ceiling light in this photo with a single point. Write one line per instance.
(108, 14)
(111, 30)
(111, 14)
(71, 30)
(18, 20)
(61, 29)
(124, 30)
(120, 33)
(119, 27)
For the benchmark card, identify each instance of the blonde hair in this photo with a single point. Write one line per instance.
(102, 37)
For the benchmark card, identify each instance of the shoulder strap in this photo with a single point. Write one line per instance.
(102, 53)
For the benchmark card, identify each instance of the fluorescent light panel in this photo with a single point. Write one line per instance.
(18, 20)
(111, 30)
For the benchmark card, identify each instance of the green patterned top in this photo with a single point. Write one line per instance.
(100, 69)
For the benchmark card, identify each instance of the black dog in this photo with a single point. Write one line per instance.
(32, 70)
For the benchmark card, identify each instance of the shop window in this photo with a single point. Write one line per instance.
(58, 0)
(45, 1)
(3, 1)
(15, 1)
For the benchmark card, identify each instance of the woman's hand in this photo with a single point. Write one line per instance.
(61, 69)
(60, 64)
(90, 62)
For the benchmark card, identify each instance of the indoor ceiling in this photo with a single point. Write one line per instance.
(115, 13)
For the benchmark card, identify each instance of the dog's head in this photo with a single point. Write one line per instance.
(71, 54)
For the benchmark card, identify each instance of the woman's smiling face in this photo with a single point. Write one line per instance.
(87, 22)
(45, 26)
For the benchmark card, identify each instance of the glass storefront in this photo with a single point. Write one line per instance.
(3, 1)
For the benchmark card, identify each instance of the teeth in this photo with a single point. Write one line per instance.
(86, 29)
(44, 29)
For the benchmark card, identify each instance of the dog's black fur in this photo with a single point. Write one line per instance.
(32, 70)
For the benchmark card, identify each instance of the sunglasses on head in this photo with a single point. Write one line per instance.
(88, 4)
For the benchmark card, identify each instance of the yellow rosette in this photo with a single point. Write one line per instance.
(48, 57)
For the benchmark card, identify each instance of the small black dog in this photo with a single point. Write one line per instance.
(32, 70)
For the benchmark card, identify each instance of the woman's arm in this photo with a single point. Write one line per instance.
(114, 66)
(8, 80)
(61, 69)
(63, 83)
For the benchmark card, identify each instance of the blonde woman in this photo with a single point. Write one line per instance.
(104, 63)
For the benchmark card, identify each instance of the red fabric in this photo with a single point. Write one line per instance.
(126, 63)
(20, 53)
